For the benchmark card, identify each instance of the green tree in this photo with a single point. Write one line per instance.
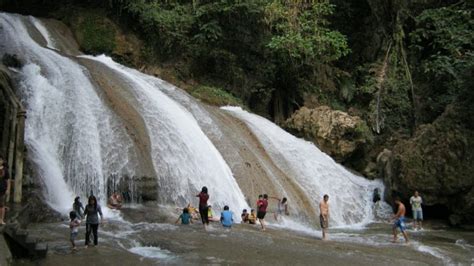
(443, 45)
(301, 45)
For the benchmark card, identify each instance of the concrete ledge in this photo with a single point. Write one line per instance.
(6, 258)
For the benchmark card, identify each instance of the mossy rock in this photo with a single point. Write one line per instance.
(215, 96)
(94, 32)
(438, 161)
(97, 34)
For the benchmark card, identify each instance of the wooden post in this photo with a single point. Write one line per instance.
(6, 131)
(11, 145)
(19, 156)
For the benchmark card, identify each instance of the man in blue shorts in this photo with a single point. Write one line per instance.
(399, 221)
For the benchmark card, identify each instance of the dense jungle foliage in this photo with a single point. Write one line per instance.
(394, 64)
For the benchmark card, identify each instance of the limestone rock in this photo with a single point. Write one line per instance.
(334, 132)
(438, 161)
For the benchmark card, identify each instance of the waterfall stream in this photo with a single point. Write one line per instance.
(91, 119)
(73, 139)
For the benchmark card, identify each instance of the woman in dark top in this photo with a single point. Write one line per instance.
(92, 211)
(203, 197)
(78, 207)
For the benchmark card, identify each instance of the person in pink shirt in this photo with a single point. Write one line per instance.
(262, 210)
(203, 206)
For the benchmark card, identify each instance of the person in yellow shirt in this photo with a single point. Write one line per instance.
(193, 212)
(252, 217)
(210, 215)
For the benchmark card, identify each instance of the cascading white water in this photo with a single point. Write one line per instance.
(75, 141)
(316, 172)
(183, 156)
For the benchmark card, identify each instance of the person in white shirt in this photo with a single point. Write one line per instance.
(416, 202)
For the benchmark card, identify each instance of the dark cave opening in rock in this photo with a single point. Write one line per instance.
(431, 212)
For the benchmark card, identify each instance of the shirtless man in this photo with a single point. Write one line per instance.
(324, 215)
(399, 221)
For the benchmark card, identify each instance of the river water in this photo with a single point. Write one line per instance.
(141, 234)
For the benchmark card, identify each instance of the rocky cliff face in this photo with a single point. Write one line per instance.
(335, 132)
(438, 162)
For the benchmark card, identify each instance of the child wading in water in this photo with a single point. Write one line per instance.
(185, 217)
(74, 226)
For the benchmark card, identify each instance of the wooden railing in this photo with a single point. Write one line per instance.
(12, 145)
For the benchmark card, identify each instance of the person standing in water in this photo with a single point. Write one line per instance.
(399, 221)
(74, 226)
(78, 207)
(203, 209)
(376, 195)
(282, 207)
(260, 198)
(324, 215)
(92, 212)
(4, 188)
(262, 210)
(416, 202)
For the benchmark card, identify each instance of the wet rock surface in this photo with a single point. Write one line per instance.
(438, 162)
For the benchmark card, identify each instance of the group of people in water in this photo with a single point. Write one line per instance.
(399, 217)
(92, 211)
(190, 213)
(205, 212)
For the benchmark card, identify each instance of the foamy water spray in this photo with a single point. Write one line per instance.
(77, 142)
(183, 157)
(316, 172)
(70, 133)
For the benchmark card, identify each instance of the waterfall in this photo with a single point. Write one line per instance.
(73, 139)
(350, 196)
(90, 118)
(77, 142)
(183, 156)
